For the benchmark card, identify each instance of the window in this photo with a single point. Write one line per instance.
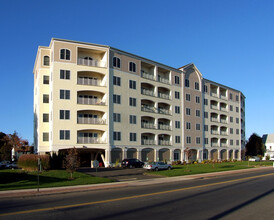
(45, 79)
(231, 119)
(197, 86)
(64, 134)
(188, 140)
(237, 98)
(198, 127)
(132, 84)
(231, 130)
(64, 74)
(206, 127)
(237, 109)
(188, 125)
(132, 101)
(205, 101)
(237, 131)
(116, 117)
(132, 119)
(116, 62)
(197, 99)
(177, 109)
(177, 80)
(132, 136)
(206, 140)
(45, 117)
(116, 136)
(64, 94)
(231, 142)
(231, 107)
(177, 95)
(116, 99)
(206, 114)
(205, 88)
(177, 139)
(198, 140)
(177, 124)
(230, 96)
(116, 81)
(237, 120)
(46, 60)
(65, 54)
(188, 111)
(198, 113)
(237, 142)
(132, 67)
(187, 97)
(65, 114)
(45, 98)
(45, 136)
(186, 83)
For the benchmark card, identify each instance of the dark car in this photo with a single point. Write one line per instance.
(132, 163)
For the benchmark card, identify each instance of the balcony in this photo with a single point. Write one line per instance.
(214, 145)
(87, 61)
(223, 109)
(90, 140)
(214, 119)
(214, 95)
(146, 108)
(147, 92)
(148, 125)
(214, 107)
(214, 132)
(163, 80)
(164, 111)
(163, 96)
(147, 75)
(89, 101)
(164, 143)
(147, 142)
(223, 145)
(224, 133)
(164, 127)
(88, 120)
(88, 81)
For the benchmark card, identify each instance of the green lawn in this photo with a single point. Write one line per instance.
(181, 170)
(18, 179)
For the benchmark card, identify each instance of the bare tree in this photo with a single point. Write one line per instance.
(72, 161)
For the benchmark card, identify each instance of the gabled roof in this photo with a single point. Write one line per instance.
(268, 138)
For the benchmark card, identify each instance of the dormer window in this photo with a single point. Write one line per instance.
(65, 54)
(46, 60)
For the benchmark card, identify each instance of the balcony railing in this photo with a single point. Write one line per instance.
(224, 133)
(163, 95)
(214, 107)
(85, 120)
(223, 109)
(145, 108)
(164, 127)
(147, 142)
(163, 80)
(214, 132)
(86, 62)
(214, 145)
(87, 101)
(223, 97)
(214, 119)
(147, 75)
(164, 143)
(148, 125)
(88, 81)
(147, 92)
(90, 140)
(164, 111)
(223, 121)
(223, 145)
(214, 94)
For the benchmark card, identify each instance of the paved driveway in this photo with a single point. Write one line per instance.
(118, 174)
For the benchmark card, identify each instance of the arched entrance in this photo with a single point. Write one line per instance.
(164, 154)
(147, 155)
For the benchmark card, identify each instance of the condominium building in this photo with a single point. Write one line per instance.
(111, 105)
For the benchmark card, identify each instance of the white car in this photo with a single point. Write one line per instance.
(254, 159)
(157, 166)
(271, 158)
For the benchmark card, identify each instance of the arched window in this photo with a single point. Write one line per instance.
(116, 62)
(46, 60)
(65, 54)
(186, 83)
(132, 67)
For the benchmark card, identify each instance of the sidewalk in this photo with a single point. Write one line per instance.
(81, 188)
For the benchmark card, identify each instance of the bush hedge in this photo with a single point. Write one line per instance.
(30, 162)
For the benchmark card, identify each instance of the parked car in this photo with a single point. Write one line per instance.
(271, 158)
(12, 165)
(254, 159)
(158, 166)
(130, 163)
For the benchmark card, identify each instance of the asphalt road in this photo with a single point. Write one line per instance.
(238, 196)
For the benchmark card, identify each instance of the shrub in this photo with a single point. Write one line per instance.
(30, 162)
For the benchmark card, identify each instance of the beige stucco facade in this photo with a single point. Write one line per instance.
(112, 105)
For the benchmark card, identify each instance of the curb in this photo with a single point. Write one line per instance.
(82, 188)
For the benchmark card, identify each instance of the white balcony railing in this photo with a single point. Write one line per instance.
(164, 127)
(164, 143)
(147, 75)
(148, 125)
(147, 142)
(86, 62)
(147, 92)
(88, 101)
(163, 80)
(163, 95)
(86, 120)
(90, 140)
(88, 81)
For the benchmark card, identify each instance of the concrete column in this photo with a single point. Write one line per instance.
(233, 154)
(219, 154)
(209, 154)
(198, 155)
(139, 156)
(156, 155)
(171, 155)
(124, 153)
(182, 156)
(107, 158)
(227, 154)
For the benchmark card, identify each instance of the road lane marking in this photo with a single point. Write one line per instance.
(130, 197)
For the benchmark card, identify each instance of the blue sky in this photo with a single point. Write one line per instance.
(230, 41)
